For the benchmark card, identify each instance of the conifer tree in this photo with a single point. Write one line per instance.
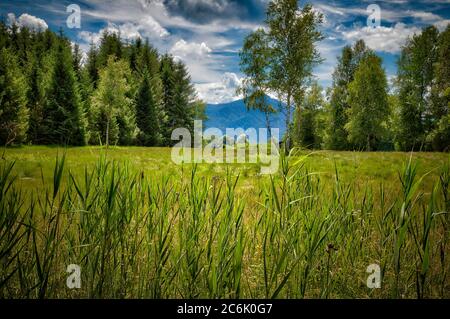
(146, 114)
(62, 114)
(13, 110)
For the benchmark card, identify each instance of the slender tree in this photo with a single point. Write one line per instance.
(110, 101)
(255, 64)
(292, 36)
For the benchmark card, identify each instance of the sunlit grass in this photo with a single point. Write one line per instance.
(141, 227)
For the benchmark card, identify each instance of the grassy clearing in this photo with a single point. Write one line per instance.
(141, 227)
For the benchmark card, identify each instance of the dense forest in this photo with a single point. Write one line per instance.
(412, 114)
(120, 94)
(361, 111)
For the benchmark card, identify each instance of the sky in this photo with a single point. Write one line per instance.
(208, 34)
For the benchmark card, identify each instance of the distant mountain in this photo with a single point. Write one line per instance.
(236, 115)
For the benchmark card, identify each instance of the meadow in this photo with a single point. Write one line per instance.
(140, 226)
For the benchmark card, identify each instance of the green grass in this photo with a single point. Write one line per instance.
(141, 227)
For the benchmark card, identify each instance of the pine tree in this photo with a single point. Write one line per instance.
(146, 114)
(13, 110)
(34, 97)
(147, 59)
(92, 65)
(62, 114)
(110, 45)
(38, 71)
(77, 61)
(167, 75)
(181, 113)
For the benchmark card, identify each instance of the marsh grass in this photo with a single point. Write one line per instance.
(185, 234)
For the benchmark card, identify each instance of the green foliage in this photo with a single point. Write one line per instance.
(337, 135)
(63, 121)
(416, 73)
(112, 109)
(161, 232)
(60, 89)
(178, 96)
(368, 102)
(281, 59)
(439, 136)
(146, 115)
(306, 131)
(13, 110)
(255, 64)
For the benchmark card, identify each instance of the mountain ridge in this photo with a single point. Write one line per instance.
(236, 115)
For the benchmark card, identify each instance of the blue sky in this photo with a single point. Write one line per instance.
(207, 34)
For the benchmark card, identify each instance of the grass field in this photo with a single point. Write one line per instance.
(140, 226)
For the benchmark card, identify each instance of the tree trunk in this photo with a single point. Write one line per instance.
(107, 133)
(287, 143)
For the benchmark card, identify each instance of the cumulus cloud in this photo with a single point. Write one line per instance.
(386, 39)
(27, 20)
(220, 92)
(200, 60)
(184, 50)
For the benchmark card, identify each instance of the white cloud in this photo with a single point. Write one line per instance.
(89, 37)
(220, 92)
(200, 63)
(424, 16)
(27, 20)
(184, 50)
(382, 38)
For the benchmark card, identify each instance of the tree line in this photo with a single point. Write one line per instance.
(360, 111)
(121, 93)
